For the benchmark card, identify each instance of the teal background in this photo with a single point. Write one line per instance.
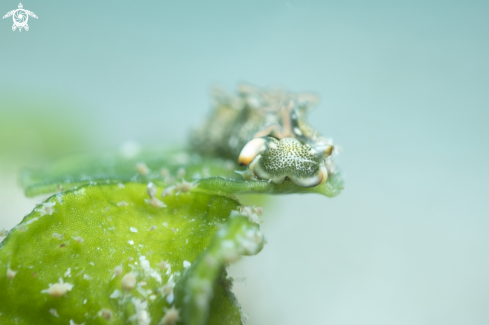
(405, 92)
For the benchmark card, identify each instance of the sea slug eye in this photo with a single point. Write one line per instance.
(290, 158)
(251, 150)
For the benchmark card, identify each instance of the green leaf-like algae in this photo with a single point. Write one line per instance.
(212, 174)
(112, 250)
(74, 259)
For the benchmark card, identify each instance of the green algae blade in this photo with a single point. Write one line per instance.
(165, 168)
(237, 237)
(113, 254)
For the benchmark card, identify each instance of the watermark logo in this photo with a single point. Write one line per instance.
(20, 17)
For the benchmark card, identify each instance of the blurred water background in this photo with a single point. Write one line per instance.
(405, 91)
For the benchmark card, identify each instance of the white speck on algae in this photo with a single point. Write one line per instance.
(116, 294)
(128, 282)
(168, 191)
(58, 289)
(167, 290)
(142, 168)
(3, 232)
(118, 270)
(78, 239)
(46, 208)
(184, 186)
(154, 202)
(142, 315)
(151, 189)
(172, 315)
(11, 274)
(106, 314)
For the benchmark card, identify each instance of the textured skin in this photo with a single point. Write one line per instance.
(236, 120)
(289, 157)
(281, 118)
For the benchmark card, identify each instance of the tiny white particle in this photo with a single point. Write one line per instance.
(142, 168)
(3, 232)
(186, 264)
(168, 191)
(118, 270)
(47, 208)
(59, 197)
(58, 289)
(167, 290)
(258, 210)
(172, 316)
(133, 229)
(116, 294)
(106, 313)
(128, 281)
(78, 239)
(154, 202)
(151, 189)
(131, 242)
(11, 274)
